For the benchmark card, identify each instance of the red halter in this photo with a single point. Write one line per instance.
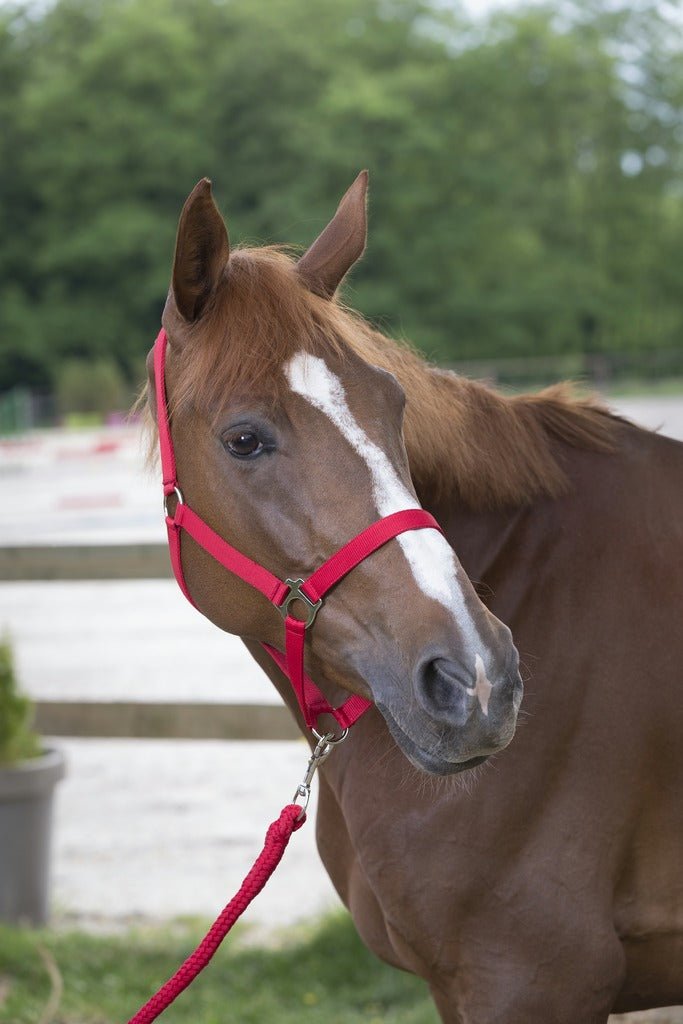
(309, 592)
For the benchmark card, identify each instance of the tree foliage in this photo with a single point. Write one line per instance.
(526, 171)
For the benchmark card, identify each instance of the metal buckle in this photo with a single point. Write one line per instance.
(330, 738)
(179, 495)
(322, 751)
(297, 594)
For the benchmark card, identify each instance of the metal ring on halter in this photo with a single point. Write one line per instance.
(179, 495)
(329, 737)
(297, 594)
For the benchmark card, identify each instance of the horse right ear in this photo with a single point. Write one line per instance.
(202, 251)
(324, 266)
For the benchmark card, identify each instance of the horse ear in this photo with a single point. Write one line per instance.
(324, 266)
(202, 251)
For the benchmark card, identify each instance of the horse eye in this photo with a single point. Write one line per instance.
(243, 444)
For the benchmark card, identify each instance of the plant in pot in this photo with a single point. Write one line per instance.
(28, 776)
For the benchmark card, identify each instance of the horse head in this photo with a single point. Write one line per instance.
(289, 442)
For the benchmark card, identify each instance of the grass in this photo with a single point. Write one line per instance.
(320, 975)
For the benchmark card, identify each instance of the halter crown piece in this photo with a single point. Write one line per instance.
(309, 592)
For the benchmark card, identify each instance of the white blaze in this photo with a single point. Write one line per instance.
(429, 555)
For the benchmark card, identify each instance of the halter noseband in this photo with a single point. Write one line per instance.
(309, 592)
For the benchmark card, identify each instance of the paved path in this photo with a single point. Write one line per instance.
(158, 829)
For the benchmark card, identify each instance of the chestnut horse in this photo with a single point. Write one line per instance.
(546, 886)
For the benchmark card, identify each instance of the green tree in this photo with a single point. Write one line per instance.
(526, 169)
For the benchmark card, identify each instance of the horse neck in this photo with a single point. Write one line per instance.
(469, 443)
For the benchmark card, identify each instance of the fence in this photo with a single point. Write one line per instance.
(598, 369)
(124, 718)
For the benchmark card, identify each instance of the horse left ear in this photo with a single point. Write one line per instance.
(324, 266)
(202, 251)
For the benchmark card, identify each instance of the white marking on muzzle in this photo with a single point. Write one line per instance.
(482, 687)
(429, 555)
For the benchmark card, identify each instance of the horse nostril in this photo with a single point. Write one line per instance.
(442, 687)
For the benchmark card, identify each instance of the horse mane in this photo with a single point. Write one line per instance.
(462, 437)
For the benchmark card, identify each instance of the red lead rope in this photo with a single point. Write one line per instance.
(277, 837)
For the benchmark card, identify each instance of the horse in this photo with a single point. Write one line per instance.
(528, 880)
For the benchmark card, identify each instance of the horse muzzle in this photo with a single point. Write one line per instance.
(455, 717)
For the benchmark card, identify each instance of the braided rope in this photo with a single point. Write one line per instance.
(277, 837)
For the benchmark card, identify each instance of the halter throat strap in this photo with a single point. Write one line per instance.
(308, 593)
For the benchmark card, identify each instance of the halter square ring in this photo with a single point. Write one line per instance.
(297, 594)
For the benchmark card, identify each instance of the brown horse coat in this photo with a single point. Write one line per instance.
(546, 886)
(550, 886)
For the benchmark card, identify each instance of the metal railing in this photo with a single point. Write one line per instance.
(137, 719)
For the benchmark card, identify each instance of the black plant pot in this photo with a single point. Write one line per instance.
(26, 797)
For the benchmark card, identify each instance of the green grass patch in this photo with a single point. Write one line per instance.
(319, 975)
(83, 420)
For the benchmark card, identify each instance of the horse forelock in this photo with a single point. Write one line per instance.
(261, 315)
(463, 438)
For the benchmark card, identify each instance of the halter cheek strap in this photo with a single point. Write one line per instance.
(309, 593)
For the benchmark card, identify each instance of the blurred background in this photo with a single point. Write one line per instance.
(526, 224)
(526, 190)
